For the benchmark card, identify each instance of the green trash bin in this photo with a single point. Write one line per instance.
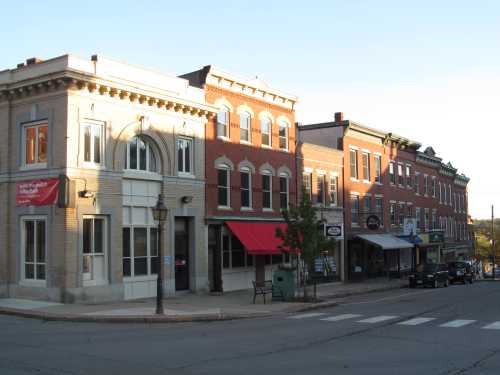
(283, 285)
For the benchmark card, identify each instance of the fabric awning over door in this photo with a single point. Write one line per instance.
(386, 241)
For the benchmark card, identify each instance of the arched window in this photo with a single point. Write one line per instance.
(223, 122)
(140, 156)
(265, 129)
(283, 135)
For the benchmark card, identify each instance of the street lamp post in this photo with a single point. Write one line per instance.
(160, 215)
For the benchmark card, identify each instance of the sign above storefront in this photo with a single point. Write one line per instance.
(334, 231)
(41, 192)
(436, 237)
(410, 226)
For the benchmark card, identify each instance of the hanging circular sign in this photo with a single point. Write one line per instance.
(373, 222)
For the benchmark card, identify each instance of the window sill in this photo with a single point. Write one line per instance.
(185, 175)
(33, 283)
(269, 147)
(225, 139)
(267, 210)
(367, 182)
(142, 175)
(245, 142)
(354, 179)
(224, 208)
(247, 209)
(29, 167)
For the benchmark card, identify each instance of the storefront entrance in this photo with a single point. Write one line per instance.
(181, 254)
(214, 258)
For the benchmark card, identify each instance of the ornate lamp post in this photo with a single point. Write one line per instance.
(160, 214)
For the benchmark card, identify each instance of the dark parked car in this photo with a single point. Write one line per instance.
(430, 274)
(460, 272)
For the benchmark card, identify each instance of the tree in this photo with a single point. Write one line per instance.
(303, 236)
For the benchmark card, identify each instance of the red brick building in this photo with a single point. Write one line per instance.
(389, 183)
(250, 173)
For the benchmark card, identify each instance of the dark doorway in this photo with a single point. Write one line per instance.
(214, 258)
(181, 254)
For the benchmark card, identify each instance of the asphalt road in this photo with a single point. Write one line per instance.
(424, 331)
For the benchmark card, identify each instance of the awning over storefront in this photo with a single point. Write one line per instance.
(416, 240)
(258, 238)
(386, 241)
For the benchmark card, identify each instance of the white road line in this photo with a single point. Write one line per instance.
(304, 316)
(377, 319)
(416, 321)
(336, 318)
(495, 325)
(457, 323)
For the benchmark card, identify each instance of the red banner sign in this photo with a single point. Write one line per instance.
(37, 192)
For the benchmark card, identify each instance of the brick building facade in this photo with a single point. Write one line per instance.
(387, 179)
(250, 172)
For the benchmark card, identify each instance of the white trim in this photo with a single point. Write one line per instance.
(23, 280)
(308, 170)
(366, 151)
(355, 148)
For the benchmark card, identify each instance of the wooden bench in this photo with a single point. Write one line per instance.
(262, 288)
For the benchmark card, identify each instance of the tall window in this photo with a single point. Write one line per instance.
(320, 198)
(140, 156)
(434, 187)
(353, 160)
(265, 130)
(306, 184)
(379, 209)
(184, 155)
(418, 217)
(417, 183)
(245, 127)
(367, 204)
(366, 166)
(223, 122)
(35, 144)
(246, 188)
(354, 210)
(392, 173)
(392, 212)
(401, 214)
(267, 191)
(449, 195)
(426, 184)
(426, 219)
(408, 176)
(223, 187)
(140, 251)
(284, 192)
(34, 247)
(378, 168)
(440, 193)
(401, 180)
(434, 220)
(334, 195)
(283, 135)
(93, 144)
(94, 245)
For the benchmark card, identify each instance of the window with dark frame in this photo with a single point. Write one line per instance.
(267, 191)
(245, 188)
(35, 144)
(283, 192)
(184, 155)
(223, 187)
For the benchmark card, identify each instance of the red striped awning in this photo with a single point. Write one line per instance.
(258, 238)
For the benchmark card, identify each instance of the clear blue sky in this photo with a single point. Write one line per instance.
(429, 70)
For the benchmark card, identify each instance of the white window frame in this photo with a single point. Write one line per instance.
(268, 120)
(190, 142)
(227, 111)
(401, 176)
(248, 172)
(36, 125)
(408, 176)
(356, 172)
(366, 168)
(270, 192)
(378, 168)
(87, 278)
(249, 125)
(334, 191)
(149, 149)
(392, 173)
(309, 181)
(283, 125)
(227, 187)
(35, 281)
(426, 185)
(287, 192)
(93, 125)
(148, 256)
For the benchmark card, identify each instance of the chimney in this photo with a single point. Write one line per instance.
(339, 116)
(33, 60)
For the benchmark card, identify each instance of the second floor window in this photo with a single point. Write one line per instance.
(408, 176)
(283, 136)
(284, 192)
(267, 191)
(417, 217)
(392, 211)
(426, 219)
(379, 209)
(223, 187)
(366, 166)
(35, 144)
(223, 122)
(401, 214)
(320, 199)
(378, 168)
(246, 189)
(334, 197)
(306, 185)
(434, 187)
(353, 161)
(368, 204)
(140, 156)
(184, 155)
(401, 180)
(417, 183)
(392, 173)
(265, 130)
(245, 127)
(426, 185)
(354, 210)
(92, 143)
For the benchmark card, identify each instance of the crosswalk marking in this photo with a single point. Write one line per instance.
(457, 323)
(495, 325)
(336, 318)
(377, 319)
(309, 315)
(416, 321)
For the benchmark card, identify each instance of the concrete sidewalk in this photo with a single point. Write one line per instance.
(191, 307)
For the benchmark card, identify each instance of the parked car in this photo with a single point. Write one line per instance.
(488, 274)
(460, 272)
(429, 274)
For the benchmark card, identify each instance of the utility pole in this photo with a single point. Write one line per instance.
(493, 239)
